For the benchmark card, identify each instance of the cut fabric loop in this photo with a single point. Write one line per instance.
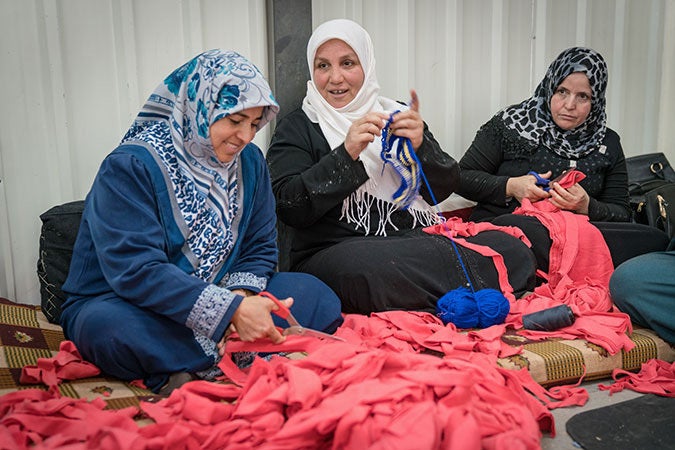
(399, 153)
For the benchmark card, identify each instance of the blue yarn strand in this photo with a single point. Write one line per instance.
(463, 307)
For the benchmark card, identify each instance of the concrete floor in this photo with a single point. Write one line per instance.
(596, 399)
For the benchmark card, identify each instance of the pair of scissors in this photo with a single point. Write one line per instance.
(295, 327)
(541, 182)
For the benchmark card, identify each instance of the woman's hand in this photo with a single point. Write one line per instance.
(526, 187)
(409, 123)
(364, 131)
(575, 198)
(253, 320)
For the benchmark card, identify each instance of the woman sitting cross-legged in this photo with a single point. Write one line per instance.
(178, 234)
(340, 218)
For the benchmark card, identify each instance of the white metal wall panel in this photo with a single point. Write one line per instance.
(76, 71)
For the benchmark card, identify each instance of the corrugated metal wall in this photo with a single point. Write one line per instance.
(74, 73)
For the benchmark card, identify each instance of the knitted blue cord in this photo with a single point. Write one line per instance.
(399, 153)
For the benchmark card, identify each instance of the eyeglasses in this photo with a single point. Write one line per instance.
(580, 99)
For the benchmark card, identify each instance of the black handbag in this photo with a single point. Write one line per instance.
(60, 225)
(651, 186)
(648, 171)
(656, 207)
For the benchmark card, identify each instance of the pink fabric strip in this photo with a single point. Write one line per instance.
(66, 365)
(655, 377)
(455, 227)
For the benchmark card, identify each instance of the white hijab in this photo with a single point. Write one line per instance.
(383, 180)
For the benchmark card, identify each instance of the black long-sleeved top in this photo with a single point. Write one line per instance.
(498, 153)
(310, 182)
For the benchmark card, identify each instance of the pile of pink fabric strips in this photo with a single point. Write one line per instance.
(376, 390)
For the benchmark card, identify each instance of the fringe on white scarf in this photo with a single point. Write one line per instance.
(357, 207)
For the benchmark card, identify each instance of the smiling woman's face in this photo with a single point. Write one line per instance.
(230, 134)
(338, 74)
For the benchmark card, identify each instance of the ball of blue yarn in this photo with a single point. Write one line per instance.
(493, 307)
(467, 309)
(459, 307)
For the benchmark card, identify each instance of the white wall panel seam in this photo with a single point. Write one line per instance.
(453, 61)
(357, 9)
(59, 158)
(126, 66)
(192, 27)
(258, 9)
(582, 14)
(614, 93)
(7, 285)
(497, 72)
(540, 62)
(665, 135)
(533, 41)
(651, 80)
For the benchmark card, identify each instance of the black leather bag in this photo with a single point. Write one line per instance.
(60, 225)
(656, 207)
(651, 185)
(648, 171)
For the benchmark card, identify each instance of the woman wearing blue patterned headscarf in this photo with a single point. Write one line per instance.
(178, 234)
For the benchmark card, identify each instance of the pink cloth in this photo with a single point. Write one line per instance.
(375, 390)
(655, 377)
(33, 418)
(455, 229)
(66, 365)
(580, 266)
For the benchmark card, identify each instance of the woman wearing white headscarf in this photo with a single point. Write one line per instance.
(338, 200)
(178, 234)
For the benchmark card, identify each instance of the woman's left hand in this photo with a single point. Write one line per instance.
(575, 198)
(409, 123)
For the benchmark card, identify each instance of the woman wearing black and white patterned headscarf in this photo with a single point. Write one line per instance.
(562, 126)
(536, 118)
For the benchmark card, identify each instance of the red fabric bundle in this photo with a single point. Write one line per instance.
(66, 365)
(655, 377)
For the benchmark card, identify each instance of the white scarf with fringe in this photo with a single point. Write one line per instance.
(377, 192)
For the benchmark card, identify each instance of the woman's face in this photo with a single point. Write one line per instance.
(571, 102)
(338, 74)
(230, 134)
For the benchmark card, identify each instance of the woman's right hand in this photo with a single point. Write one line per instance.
(526, 187)
(253, 320)
(364, 131)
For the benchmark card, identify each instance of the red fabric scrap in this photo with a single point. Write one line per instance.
(34, 418)
(454, 228)
(655, 377)
(66, 365)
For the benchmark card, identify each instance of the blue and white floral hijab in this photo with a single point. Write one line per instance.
(532, 118)
(175, 121)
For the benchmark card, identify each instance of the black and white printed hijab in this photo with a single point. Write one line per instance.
(532, 118)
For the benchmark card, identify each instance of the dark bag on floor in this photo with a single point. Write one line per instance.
(645, 172)
(60, 225)
(651, 185)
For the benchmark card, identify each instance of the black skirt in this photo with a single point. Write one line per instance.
(413, 270)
